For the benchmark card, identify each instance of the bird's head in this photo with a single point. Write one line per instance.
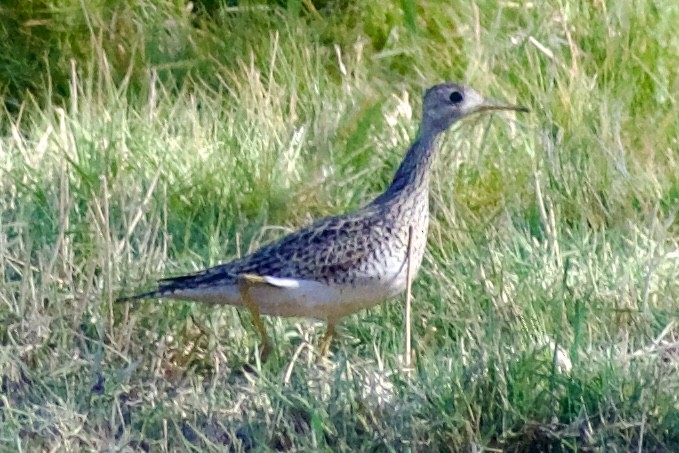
(446, 103)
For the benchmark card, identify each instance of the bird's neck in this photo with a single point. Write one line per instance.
(413, 173)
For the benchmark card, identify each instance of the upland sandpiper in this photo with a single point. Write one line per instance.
(342, 264)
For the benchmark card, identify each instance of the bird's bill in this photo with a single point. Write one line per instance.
(489, 105)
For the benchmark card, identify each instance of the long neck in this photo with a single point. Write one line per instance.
(413, 173)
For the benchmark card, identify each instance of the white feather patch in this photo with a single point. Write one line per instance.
(282, 282)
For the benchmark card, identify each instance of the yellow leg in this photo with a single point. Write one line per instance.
(245, 282)
(324, 346)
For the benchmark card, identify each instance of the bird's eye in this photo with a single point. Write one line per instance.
(456, 97)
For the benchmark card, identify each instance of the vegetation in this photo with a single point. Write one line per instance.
(147, 138)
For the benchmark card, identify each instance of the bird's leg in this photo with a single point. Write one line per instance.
(324, 346)
(245, 282)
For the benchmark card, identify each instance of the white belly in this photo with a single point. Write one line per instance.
(307, 298)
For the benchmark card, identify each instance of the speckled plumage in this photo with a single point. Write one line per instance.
(345, 263)
(353, 249)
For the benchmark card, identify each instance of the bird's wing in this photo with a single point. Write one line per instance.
(331, 247)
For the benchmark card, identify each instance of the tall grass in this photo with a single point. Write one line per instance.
(147, 139)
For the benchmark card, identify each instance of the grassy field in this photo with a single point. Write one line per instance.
(151, 138)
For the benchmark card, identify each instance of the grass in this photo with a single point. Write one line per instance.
(148, 139)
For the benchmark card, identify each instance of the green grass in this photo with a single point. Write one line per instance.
(142, 139)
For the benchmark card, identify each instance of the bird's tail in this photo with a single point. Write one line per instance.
(147, 295)
(167, 287)
(171, 286)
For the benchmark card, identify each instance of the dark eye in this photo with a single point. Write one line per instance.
(456, 97)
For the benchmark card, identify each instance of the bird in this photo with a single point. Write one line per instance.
(345, 263)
